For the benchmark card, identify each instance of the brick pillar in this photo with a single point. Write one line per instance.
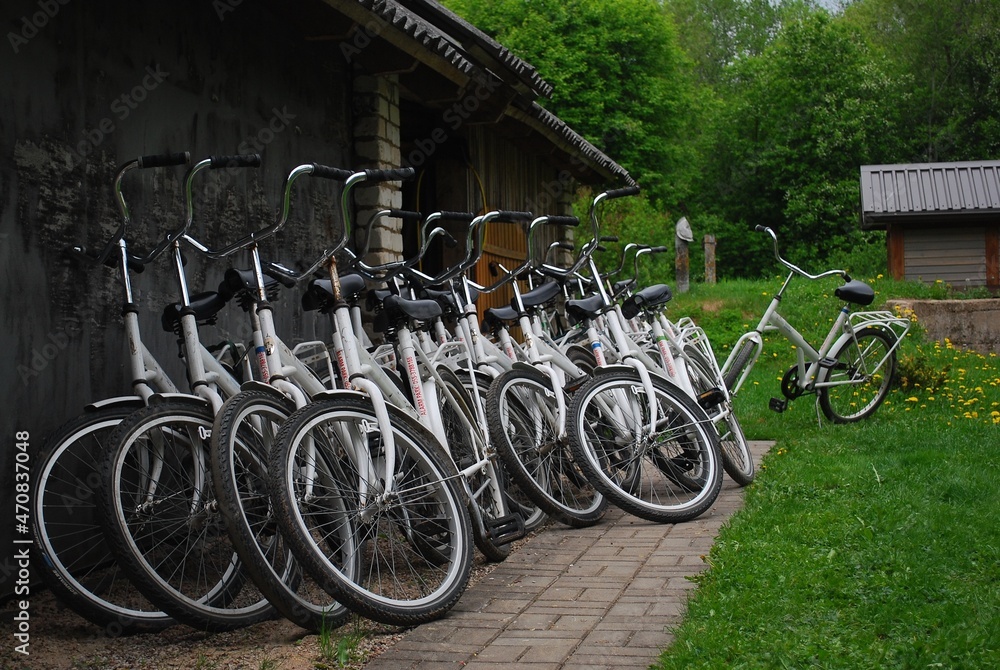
(376, 145)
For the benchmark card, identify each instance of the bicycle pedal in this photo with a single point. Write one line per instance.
(827, 363)
(711, 398)
(778, 405)
(506, 529)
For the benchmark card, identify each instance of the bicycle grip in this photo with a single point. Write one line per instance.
(759, 228)
(236, 160)
(622, 192)
(463, 217)
(398, 174)
(566, 246)
(608, 238)
(564, 221)
(658, 250)
(405, 215)
(80, 253)
(327, 172)
(163, 160)
(508, 216)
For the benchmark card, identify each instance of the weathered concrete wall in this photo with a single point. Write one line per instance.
(971, 324)
(88, 86)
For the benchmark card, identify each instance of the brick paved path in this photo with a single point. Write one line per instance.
(599, 597)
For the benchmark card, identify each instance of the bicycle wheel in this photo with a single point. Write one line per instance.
(401, 557)
(161, 519)
(737, 460)
(860, 378)
(485, 487)
(669, 476)
(242, 438)
(71, 556)
(521, 413)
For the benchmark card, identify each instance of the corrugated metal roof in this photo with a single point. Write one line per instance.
(921, 190)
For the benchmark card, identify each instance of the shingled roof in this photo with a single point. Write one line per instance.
(476, 55)
(917, 192)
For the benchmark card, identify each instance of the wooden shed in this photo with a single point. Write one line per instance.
(942, 220)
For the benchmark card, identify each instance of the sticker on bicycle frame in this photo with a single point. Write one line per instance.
(598, 354)
(265, 374)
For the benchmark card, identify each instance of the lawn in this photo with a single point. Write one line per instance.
(868, 545)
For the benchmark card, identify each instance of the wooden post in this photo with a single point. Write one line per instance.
(710, 259)
(682, 262)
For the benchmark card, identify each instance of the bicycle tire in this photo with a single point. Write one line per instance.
(583, 357)
(520, 411)
(742, 359)
(737, 460)
(671, 476)
(487, 497)
(242, 438)
(167, 534)
(70, 554)
(402, 561)
(850, 402)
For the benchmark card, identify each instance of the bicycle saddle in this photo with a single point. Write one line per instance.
(205, 306)
(236, 281)
(495, 317)
(856, 292)
(319, 292)
(585, 308)
(622, 286)
(647, 298)
(443, 298)
(540, 295)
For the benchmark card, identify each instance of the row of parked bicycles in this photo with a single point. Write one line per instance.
(339, 476)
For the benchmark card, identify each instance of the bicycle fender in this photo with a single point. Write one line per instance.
(615, 367)
(128, 401)
(160, 398)
(335, 393)
(261, 387)
(521, 365)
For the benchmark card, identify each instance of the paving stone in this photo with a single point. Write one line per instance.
(605, 597)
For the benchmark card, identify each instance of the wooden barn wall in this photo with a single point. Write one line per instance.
(956, 257)
(508, 178)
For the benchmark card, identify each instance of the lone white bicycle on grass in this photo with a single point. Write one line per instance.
(852, 370)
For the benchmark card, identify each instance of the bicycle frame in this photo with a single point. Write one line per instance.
(812, 364)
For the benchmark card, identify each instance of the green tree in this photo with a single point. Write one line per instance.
(618, 74)
(785, 148)
(950, 51)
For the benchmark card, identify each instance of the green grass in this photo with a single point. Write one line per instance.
(869, 545)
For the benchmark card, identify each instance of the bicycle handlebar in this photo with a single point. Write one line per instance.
(135, 262)
(794, 268)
